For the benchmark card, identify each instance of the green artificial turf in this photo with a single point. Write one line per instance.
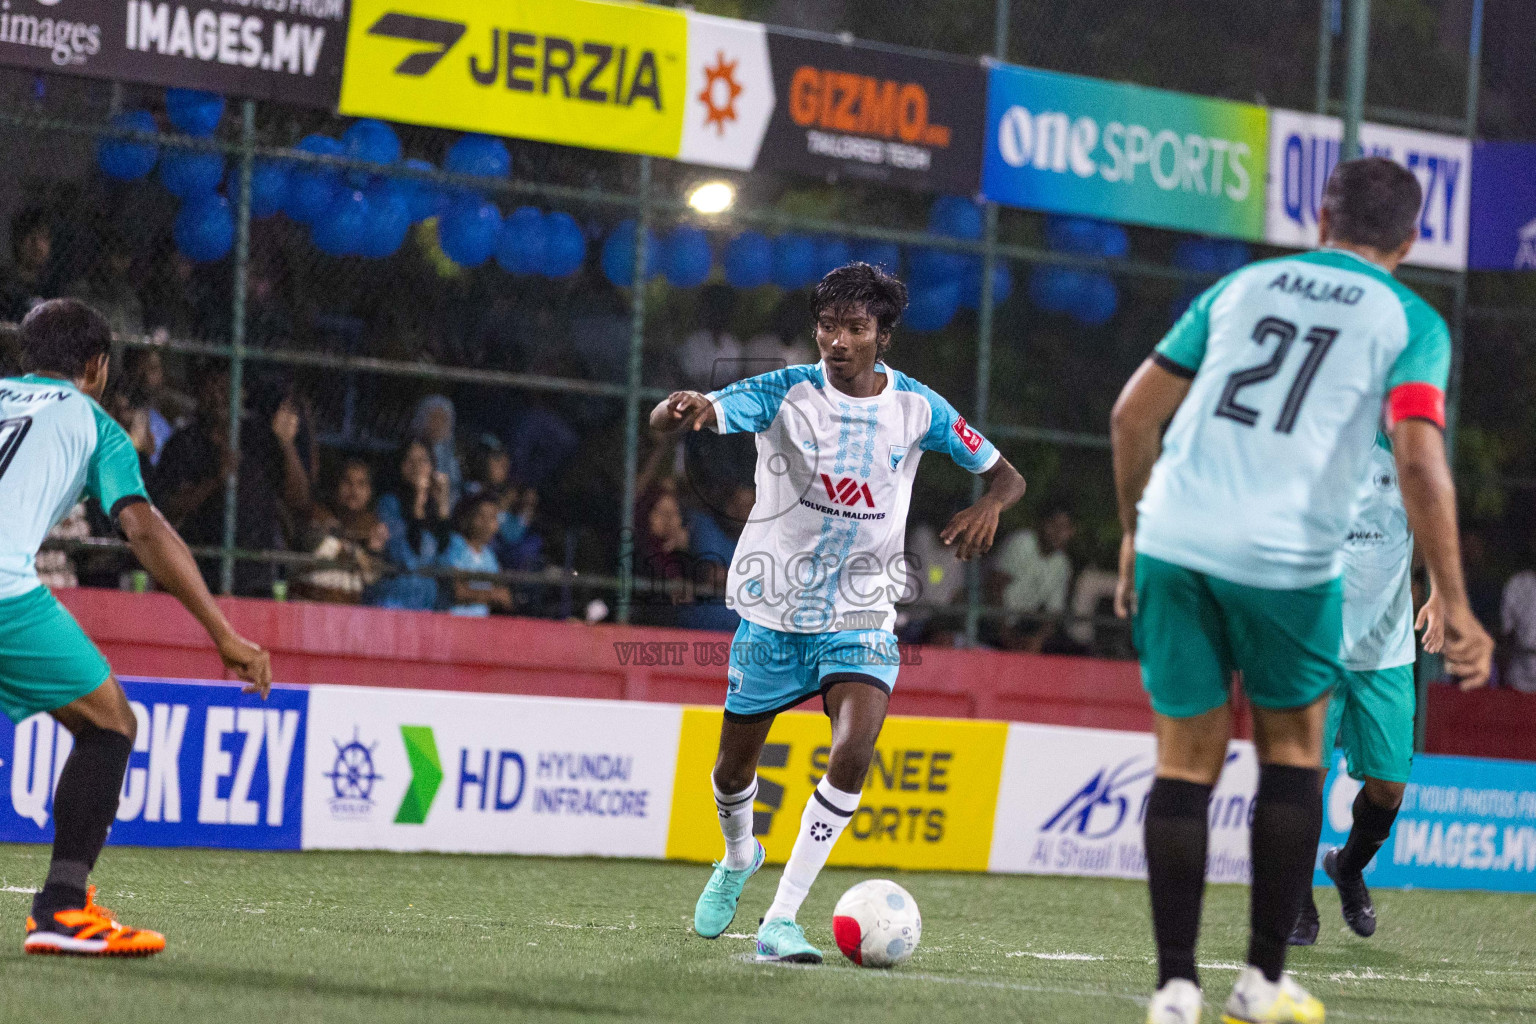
(355, 937)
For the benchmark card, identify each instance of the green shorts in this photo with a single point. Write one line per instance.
(1193, 630)
(46, 660)
(1371, 717)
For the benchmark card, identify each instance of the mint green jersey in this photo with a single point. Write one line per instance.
(1291, 361)
(1378, 571)
(56, 446)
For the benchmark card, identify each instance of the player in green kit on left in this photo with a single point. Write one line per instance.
(56, 445)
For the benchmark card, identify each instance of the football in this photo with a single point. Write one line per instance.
(877, 924)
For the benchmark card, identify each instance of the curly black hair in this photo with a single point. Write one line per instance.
(859, 284)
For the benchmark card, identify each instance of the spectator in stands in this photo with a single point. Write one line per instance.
(189, 482)
(710, 357)
(416, 515)
(350, 533)
(165, 410)
(1519, 629)
(1031, 575)
(490, 476)
(55, 567)
(712, 537)
(786, 343)
(108, 287)
(29, 278)
(470, 550)
(433, 425)
(180, 302)
(662, 557)
(936, 578)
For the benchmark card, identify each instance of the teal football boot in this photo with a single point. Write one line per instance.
(716, 908)
(783, 941)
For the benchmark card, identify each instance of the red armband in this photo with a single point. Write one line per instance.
(1416, 401)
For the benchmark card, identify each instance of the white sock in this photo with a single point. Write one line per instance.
(736, 824)
(827, 813)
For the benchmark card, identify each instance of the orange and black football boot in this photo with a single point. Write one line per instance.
(90, 931)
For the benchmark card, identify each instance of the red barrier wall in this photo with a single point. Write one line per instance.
(150, 635)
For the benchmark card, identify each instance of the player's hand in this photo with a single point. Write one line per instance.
(1431, 622)
(975, 528)
(250, 663)
(1125, 586)
(680, 410)
(285, 422)
(1468, 648)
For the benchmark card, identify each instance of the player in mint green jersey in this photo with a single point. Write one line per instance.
(57, 445)
(1272, 387)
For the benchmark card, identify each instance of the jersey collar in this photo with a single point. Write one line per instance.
(890, 382)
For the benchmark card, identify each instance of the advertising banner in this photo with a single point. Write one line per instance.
(1503, 206)
(1465, 823)
(211, 766)
(423, 770)
(576, 72)
(729, 97)
(927, 803)
(1074, 801)
(848, 110)
(1121, 152)
(1303, 150)
(288, 50)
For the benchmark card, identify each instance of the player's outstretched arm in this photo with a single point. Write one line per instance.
(682, 410)
(1146, 404)
(1429, 495)
(162, 551)
(976, 527)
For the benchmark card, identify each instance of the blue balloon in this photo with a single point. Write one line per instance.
(480, 155)
(936, 266)
(1056, 289)
(1234, 254)
(313, 188)
(425, 197)
(126, 160)
(831, 252)
(1081, 236)
(389, 221)
(618, 256)
(748, 260)
(341, 230)
(194, 111)
(187, 173)
(469, 231)
(1097, 301)
(565, 245)
(372, 141)
(885, 255)
(1113, 241)
(794, 261)
(932, 308)
(523, 242)
(205, 228)
(1201, 255)
(686, 257)
(269, 187)
(956, 217)
(1002, 284)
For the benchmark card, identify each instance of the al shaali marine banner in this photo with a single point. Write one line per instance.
(1121, 152)
(286, 50)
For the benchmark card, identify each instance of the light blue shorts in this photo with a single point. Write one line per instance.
(772, 671)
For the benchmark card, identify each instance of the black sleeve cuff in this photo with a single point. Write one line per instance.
(124, 502)
(1177, 369)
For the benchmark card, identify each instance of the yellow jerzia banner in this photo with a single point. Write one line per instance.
(577, 72)
(928, 804)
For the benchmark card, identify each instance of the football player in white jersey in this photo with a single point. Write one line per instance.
(1235, 520)
(819, 567)
(56, 444)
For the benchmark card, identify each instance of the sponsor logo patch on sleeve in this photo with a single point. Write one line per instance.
(968, 437)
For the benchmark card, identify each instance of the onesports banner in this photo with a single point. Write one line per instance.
(1076, 145)
(1503, 206)
(286, 50)
(1303, 150)
(345, 767)
(211, 766)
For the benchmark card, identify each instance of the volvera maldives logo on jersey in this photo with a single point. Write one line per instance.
(847, 491)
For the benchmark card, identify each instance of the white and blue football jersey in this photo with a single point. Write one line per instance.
(56, 445)
(1378, 572)
(823, 549)
(1292, 361)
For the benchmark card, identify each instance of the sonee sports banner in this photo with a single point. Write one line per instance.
(291, 51)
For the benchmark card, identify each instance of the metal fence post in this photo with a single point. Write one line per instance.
(237, 338)
(643, 258)
(1325, 17)
(1358, 35)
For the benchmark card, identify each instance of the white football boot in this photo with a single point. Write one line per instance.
(1177, 1002)
(1257, 1000)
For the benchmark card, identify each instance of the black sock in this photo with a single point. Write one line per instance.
(1373, 823)
(1177, 833)
(84, 805)
(1315, 840)
(1287, 818)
